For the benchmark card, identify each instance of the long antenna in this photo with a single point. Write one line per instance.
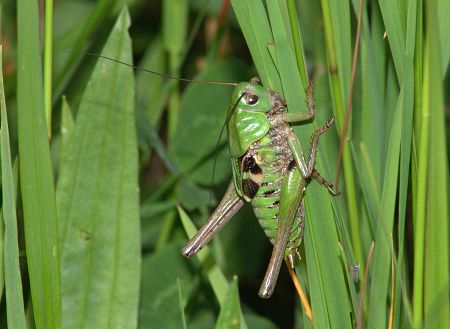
(229, 114)
(165, 76)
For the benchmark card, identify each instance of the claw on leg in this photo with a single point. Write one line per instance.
(290, 260)
(322, 181)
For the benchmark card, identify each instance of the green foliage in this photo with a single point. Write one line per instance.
(97, 198)
(133, 159)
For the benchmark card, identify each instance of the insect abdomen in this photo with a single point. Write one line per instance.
(273, 156)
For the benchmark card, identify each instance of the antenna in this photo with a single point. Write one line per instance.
(229, 114)
(165, 76)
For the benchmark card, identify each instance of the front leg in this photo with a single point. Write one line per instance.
(306, 168)
(299, 117)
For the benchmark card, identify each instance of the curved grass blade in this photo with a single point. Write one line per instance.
(217, 279)
(229, 316)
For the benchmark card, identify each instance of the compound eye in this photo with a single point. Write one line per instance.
(251, 99)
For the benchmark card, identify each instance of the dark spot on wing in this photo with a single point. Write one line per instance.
(250, 188)
(291, 165)
(250, 165)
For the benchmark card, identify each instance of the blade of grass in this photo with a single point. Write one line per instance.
(443, 7)
(217, 279)
(255, 26)
(297, 40)
(174, 31)
(36, 178)
(13, 282)
(285, 60)
(180, 298)
(380, 271)
(48, 50)
(338, 46)
(229, 314)
(98, 200)
(431, 240)
(395, 30)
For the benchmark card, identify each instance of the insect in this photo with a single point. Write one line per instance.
(269, 172)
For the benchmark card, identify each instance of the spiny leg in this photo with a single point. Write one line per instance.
(322, 181)
(227, 207)
(306, 168)
(314, 143)
(290, 198)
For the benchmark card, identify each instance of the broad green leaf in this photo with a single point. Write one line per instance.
(98, 198)
(36, 177)
(159, 302)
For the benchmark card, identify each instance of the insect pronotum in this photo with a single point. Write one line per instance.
(269, 170)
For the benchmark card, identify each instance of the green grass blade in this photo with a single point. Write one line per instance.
(180, 300)
(38, 195)
(48, 50)
(442, 8)
(395, 31)
(255, 26)
(336, 17)
(216, 277)
(98, 200)
(13, 282)
(431, 241)
(285, 61)
(329, 297)
(378, 291)
(229, 315)
(297, 40)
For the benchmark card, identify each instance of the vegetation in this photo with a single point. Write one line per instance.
(106, 169)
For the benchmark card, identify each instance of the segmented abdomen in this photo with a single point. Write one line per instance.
(273, 156)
